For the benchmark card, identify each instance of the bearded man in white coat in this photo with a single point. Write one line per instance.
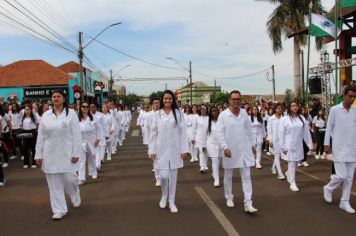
(342, 127)
(236, 139)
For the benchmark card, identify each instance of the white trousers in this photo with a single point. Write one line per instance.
(344, 175)
(203, 158)
(100, 153)
(59, 184)
(156, 170)
(108, 150)
(168, 183)
(84, 156)
(258, 147)
(292, 167)
(193, 151)
(121, 136)
(246, 184)
(277, 163)
(215, 166)
(114, 143)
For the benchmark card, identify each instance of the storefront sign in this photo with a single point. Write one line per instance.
(42, 92)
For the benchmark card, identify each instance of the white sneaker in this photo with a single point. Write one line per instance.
(294, 188)
(274, 171)
(281, 177)
(158, 183)
(25, 166)
(2, 184)
(22, 158)
(305, 164)
(12, 157)
(163, 203)
(4, 165)
(269, 154)
(328, 197)
(58, 216)
(202, 170)
(33, 166)
(206, 168)
(113, 152)
(347, 207)
(94, 177)
(317, 157)
(216, 183)
(108, 158)
(250, 209)
(332, 176)
(77, 202)
(81, 182)
(230, 203)
(324, 156)
(173, 208)
(191, 160)
(258, 166)
(299, 164)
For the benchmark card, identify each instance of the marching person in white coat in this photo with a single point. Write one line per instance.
(115, 139)
(128, 115)
(100, 150)
(57, 152)
(119, 118)
(273, 140)
(110, 123)
(141, 119)
(259, 134)
(190, 120)
(168, 146)
(146, 139)
(236, 139)
(91, 134)
(293, 130)
(213, 149)
(200, 127)
(341, 126)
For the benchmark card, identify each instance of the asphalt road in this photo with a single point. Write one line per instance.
(124, 201)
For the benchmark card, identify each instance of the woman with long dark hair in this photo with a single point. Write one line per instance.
(57, 152)
(293, 130)
(200, 127)
(212, 144)
(308, 121)
(28, 137)
(319, 125)
(259, 134)
(273, 139)
(91, 135)
(168, 146)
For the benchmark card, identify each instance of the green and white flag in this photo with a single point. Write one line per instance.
(348, 3)
(322, 26)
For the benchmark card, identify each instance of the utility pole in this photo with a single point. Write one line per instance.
(214, 87)
(165, 85)
(273, 84)
(80, 56)
(191, 83)
(111, 83)
(302, 73)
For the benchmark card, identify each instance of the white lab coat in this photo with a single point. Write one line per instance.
(273, 133)
(200, 127)
(168, 139)
(212, 141)
(190, 120)
(235, 133)
(147, 127)
(91, 131)
(110, 122)
(258, 131)
(341, 127)
(99, 117)
(58, 140)
(292, 132)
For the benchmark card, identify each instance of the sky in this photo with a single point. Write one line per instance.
(225, 40)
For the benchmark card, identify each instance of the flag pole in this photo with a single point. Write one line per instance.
(336, 52)
(308, 59)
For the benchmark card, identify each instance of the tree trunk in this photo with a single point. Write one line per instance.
(297, 75)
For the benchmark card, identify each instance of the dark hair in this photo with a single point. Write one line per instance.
(191, 108)
(206, 107)
(349, 89)
(234, 91)
(15, 104)
(322, 116)
(80, 114)
(259, 118)
(289, 112)
(210, 117)
(65, 105)
(187, 111)
(155, 99)
(174, 103)
(32, 116)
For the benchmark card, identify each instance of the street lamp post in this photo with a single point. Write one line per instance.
(190, 76)
(81, 54)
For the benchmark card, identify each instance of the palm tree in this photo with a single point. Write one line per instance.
(287, 18)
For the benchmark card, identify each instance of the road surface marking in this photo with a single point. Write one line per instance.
(225, 223)
(314, 177)
(135, 133)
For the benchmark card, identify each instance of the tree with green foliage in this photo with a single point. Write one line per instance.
(154, 95)
(131, 99)
(289, 17)
(220, 97)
